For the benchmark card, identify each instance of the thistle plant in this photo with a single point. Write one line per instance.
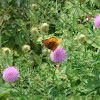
(58, 56)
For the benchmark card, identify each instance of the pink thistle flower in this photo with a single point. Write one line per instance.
(58, 55)
(10, 74)
(97, 21)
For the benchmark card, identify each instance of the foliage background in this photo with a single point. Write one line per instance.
(79, 75)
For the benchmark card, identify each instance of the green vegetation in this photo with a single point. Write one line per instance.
(21, 33)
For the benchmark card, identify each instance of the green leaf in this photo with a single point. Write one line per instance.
(9, 0)
(6, 17)
(14, 93)
(18, 2)
(68, 5)
(19, 40)
(25, 31)
(22, 98)
(4, 95)
(92, 1)
(95, 46)
(34, 36)
(1, 21)
(26, 35)
(1, 81)
(36, 58)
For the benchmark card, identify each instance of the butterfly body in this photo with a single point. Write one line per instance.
(51, 43)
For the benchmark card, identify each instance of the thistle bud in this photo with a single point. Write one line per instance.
(34, 30)
(34, 6)
(45, 51)
(44, 27)
(26, 48)
(6, 50)
(52, 9)
(82, 38)
(75, 39)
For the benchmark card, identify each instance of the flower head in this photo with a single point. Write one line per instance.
(34, 30)
(58, 55)
(34, 6)
(10, 74)
(44, 27)
(26, 48)
(97, 21)
(6, 50)
(82, 38)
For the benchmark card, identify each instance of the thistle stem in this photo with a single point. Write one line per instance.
(57, 66)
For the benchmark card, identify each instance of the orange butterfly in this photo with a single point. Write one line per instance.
(51, 43)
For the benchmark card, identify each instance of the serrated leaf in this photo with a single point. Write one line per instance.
(26, 35)
(6, 17)
(4, 95)
(95, 46)
(25, 31)
(19, 40)
(68, 5)
(14, 93)
(18, 2)
(34, 36)
(36, 58)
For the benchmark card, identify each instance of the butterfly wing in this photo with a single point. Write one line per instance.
(51, 43)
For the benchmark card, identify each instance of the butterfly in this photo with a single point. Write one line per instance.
(51, 43)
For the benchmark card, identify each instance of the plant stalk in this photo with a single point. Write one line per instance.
(58, 66)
